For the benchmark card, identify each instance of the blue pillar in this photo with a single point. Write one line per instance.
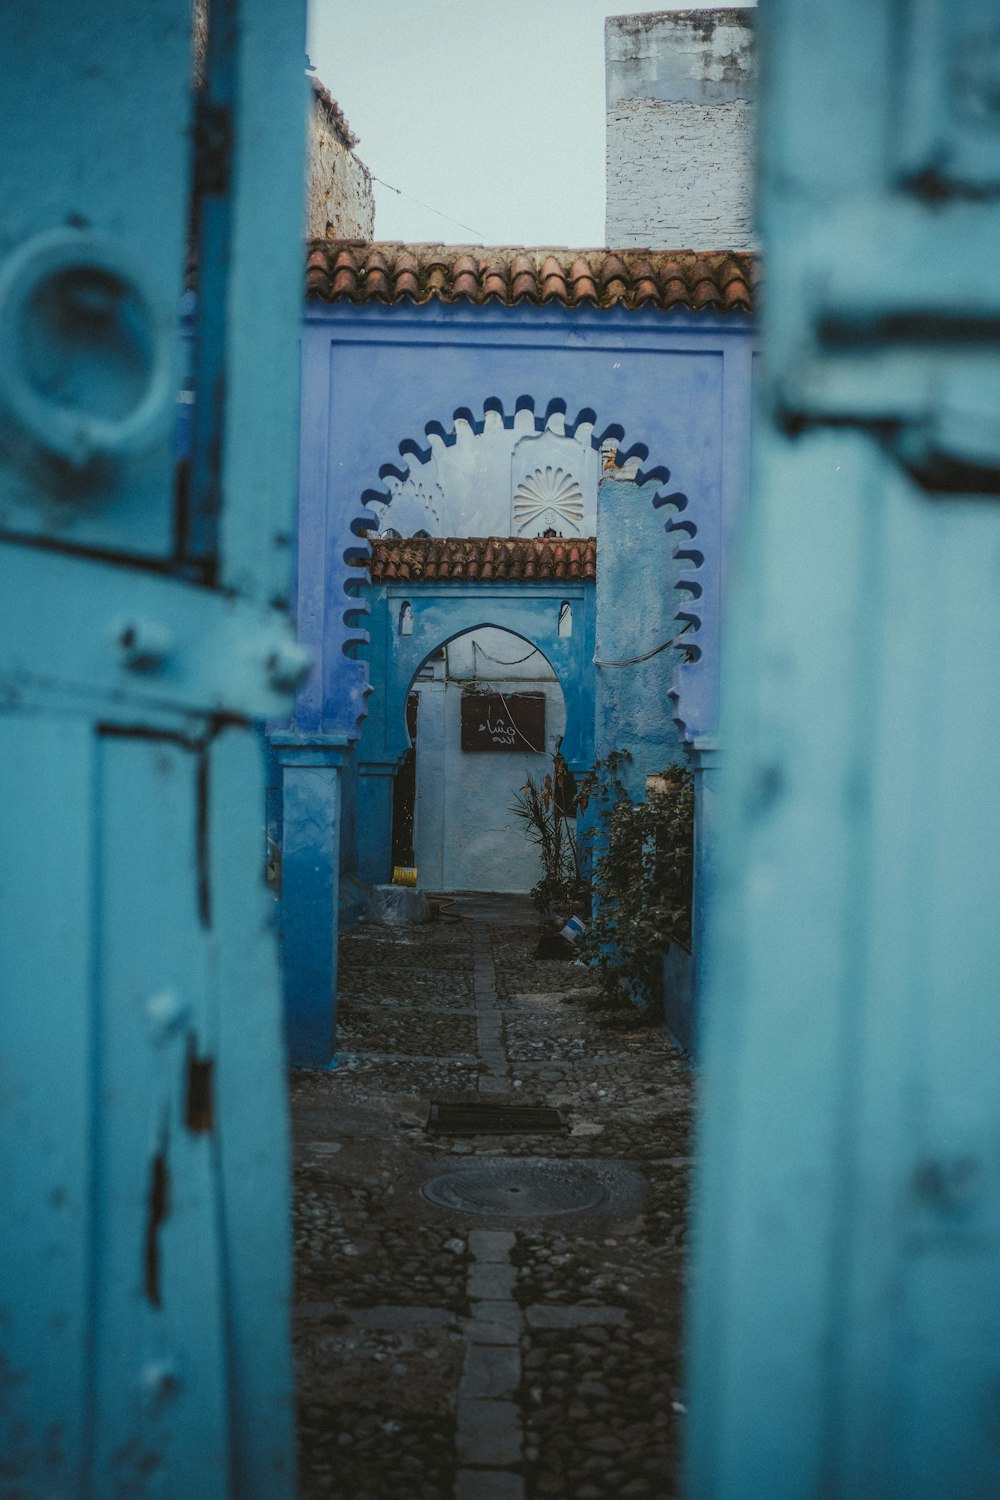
(684, 973)
(374, 825)
(310, 849)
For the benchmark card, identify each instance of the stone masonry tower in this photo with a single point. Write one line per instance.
(680, 92)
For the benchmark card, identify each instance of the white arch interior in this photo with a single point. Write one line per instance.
(465, 835)
(503, 481)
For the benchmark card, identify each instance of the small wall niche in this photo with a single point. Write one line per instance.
(565, 627)
(406, 618)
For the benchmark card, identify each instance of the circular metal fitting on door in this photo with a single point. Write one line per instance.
(86, 366)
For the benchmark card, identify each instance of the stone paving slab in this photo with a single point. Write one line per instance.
(574, 1317)
(491, 1371)
(402, 1317)
(483, 1331)
(489, 1432)
(492, 1280)
(491, 1244)
(444, 1357)
(497, 1310)
(484, 1484)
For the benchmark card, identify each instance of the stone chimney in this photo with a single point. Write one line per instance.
(680, 129)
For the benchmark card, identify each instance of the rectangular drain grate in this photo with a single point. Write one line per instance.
(476, 1118)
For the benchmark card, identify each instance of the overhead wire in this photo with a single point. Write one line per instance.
(430, 209)
(499, 660)
(631, 661)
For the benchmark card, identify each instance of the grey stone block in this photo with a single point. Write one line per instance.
(492, 1280)
(488, 1331)
(491, 1244)
(574, 1317)
(400, 1317)
(493, 1083)
(488, 1484)
(489, 1432)
(491, 1371)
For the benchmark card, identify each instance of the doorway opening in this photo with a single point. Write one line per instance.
(484, 712)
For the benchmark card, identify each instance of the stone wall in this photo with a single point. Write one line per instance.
(339, 198)
(680, 128)
(340, 202)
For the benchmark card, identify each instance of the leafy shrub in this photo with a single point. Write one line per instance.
(629, 871)
(641, 882)
(548, 810)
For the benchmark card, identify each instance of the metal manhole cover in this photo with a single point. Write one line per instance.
(519, 1189)
(475, 1118)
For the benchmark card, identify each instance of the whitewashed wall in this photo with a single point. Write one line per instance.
(680, 127)
(465, 836)
(502, 481)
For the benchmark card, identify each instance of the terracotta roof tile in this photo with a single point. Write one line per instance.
(482, 559)
(355, 271)
(522, 278)
(553, 281)
(582, 279)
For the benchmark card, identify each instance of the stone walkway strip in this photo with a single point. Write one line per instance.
(489, 1024)
(489, 1422)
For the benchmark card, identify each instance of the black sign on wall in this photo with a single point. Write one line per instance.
(503, 721)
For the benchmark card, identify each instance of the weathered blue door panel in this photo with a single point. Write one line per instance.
(144, 1267)
(845, 1324)
(46, 1162)
(162, 1310)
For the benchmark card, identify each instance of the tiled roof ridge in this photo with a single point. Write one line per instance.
(392, 271)
(336, 115)
(482, 559)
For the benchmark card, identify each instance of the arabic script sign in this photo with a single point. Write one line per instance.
(503, 721)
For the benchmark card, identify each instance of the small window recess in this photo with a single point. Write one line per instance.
(565, 619)
(406, 618)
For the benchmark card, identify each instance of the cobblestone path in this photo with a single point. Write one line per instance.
(453, 1355)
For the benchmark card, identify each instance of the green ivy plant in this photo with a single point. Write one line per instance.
(641, 882)
(628, 872)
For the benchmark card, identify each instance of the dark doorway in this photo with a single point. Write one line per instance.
(404, 792)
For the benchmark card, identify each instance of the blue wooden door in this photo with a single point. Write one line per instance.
(845, 1322)
(144, 1258)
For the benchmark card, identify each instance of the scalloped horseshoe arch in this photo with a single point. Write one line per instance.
(680, 519)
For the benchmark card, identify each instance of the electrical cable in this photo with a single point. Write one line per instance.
(499, 660)
(399, 192)
(533, 748)
(631, 661)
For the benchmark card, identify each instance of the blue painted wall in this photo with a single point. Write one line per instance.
(845, 1322)
(637, 606)
(441, 613)
(381, 383)
(144, 1195)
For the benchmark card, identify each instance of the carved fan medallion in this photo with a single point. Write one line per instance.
(549, 494)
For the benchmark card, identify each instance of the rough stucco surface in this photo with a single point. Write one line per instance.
(339, 197)
(466, 836)
(680, 174)
(636, 608)
(680, 130)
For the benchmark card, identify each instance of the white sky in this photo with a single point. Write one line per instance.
(490, 111)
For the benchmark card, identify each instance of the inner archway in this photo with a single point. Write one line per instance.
(484, 711)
